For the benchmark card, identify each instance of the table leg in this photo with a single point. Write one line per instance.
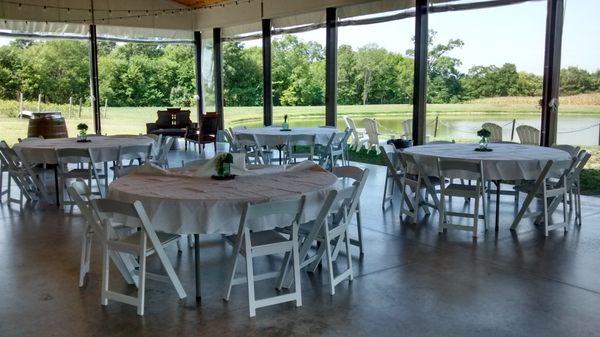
(197, 267)
(497, 183)
(105, 178)
(56, 185)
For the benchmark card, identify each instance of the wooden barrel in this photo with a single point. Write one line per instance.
(47, 125)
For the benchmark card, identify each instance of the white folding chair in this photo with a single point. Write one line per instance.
(254, 152)
(330, 230)
(81, 194)
(549, 190)
(359, 176)
(161, 158)
(572, 150)
(299, 141)
(142, 244)
(462, 170)
(335, 150)
(392, 173)
(251, 244)
(131, 153)
(233, 145)
(417, 182)
(85, 168)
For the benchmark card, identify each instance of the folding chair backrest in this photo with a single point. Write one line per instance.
(308, 140)
(573, 151)
(582, 160)
(360, 178)
(81, 195)
(352, 172)
(73, 156)
(528, 135)
(131, 152)
(246, 139)
(495, 131)
(387, 158)
(254, 212)
(341, 139)
(233, 145)
(163, 152)
(461, 169)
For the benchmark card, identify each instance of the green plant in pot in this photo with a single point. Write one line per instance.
(223, 164)
(285, 124)
(485, 139)
(82, 128)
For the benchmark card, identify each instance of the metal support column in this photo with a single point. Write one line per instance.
(331, 44)
(94, 91)
(267, 75)
(420, 72)
(198, 62)
(551, 84)
(218, 50)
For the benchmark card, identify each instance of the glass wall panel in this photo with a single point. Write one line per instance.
(485, 65)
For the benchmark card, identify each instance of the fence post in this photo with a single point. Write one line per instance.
(39, 102)
(105, 107)
(437, 119)
(70, 104)
(80, 104)
(20, 105)
(512, 131)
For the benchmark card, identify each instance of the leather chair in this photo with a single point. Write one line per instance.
(172, 122)
(205, 132)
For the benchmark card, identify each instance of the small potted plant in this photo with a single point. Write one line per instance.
(82, 128)
(223, 164)
(285, 125)
(484, 141)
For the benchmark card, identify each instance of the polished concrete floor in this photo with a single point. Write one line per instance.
(411, 281)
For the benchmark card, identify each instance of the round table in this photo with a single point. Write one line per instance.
(506, 161)
(273, 136)
(178, 202)
(102, 148)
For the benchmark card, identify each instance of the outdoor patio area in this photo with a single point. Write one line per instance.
(411, 281)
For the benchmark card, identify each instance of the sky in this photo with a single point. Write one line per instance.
(509, 34)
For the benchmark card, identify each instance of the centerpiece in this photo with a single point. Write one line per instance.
(285, 126)
(82, 135)
(484, 141)
(223, 163)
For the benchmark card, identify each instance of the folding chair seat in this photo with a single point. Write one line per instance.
(250, 244)
(462, 170)
(142, 244)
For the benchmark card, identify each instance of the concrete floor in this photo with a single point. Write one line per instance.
(410, 282)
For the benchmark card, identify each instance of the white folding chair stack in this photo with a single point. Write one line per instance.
(550, 191)
(462, 170)
(81, 195)
(294, 142)
(130, 154)
(142, 244)
(85, 168)
(417, 183)
(335, 150)
(27, 180)
(250, 244)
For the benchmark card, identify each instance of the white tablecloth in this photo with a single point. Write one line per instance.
(505, 162)
(103, 148)
(272, 136)
(178, 202)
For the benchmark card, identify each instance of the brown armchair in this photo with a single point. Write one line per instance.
(205, 132)
(171, 122)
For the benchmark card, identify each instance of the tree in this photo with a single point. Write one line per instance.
(242, 76)
(574, 80)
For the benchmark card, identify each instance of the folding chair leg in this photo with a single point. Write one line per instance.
(296, 257)
(349, 257)
(360, 232)
(105, 270)
(84, 265)
(476, 217)
(249, 274)
(142, 281)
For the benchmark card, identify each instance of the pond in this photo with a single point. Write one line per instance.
(572, 129)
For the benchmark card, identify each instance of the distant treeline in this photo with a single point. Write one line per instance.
(160, 75)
